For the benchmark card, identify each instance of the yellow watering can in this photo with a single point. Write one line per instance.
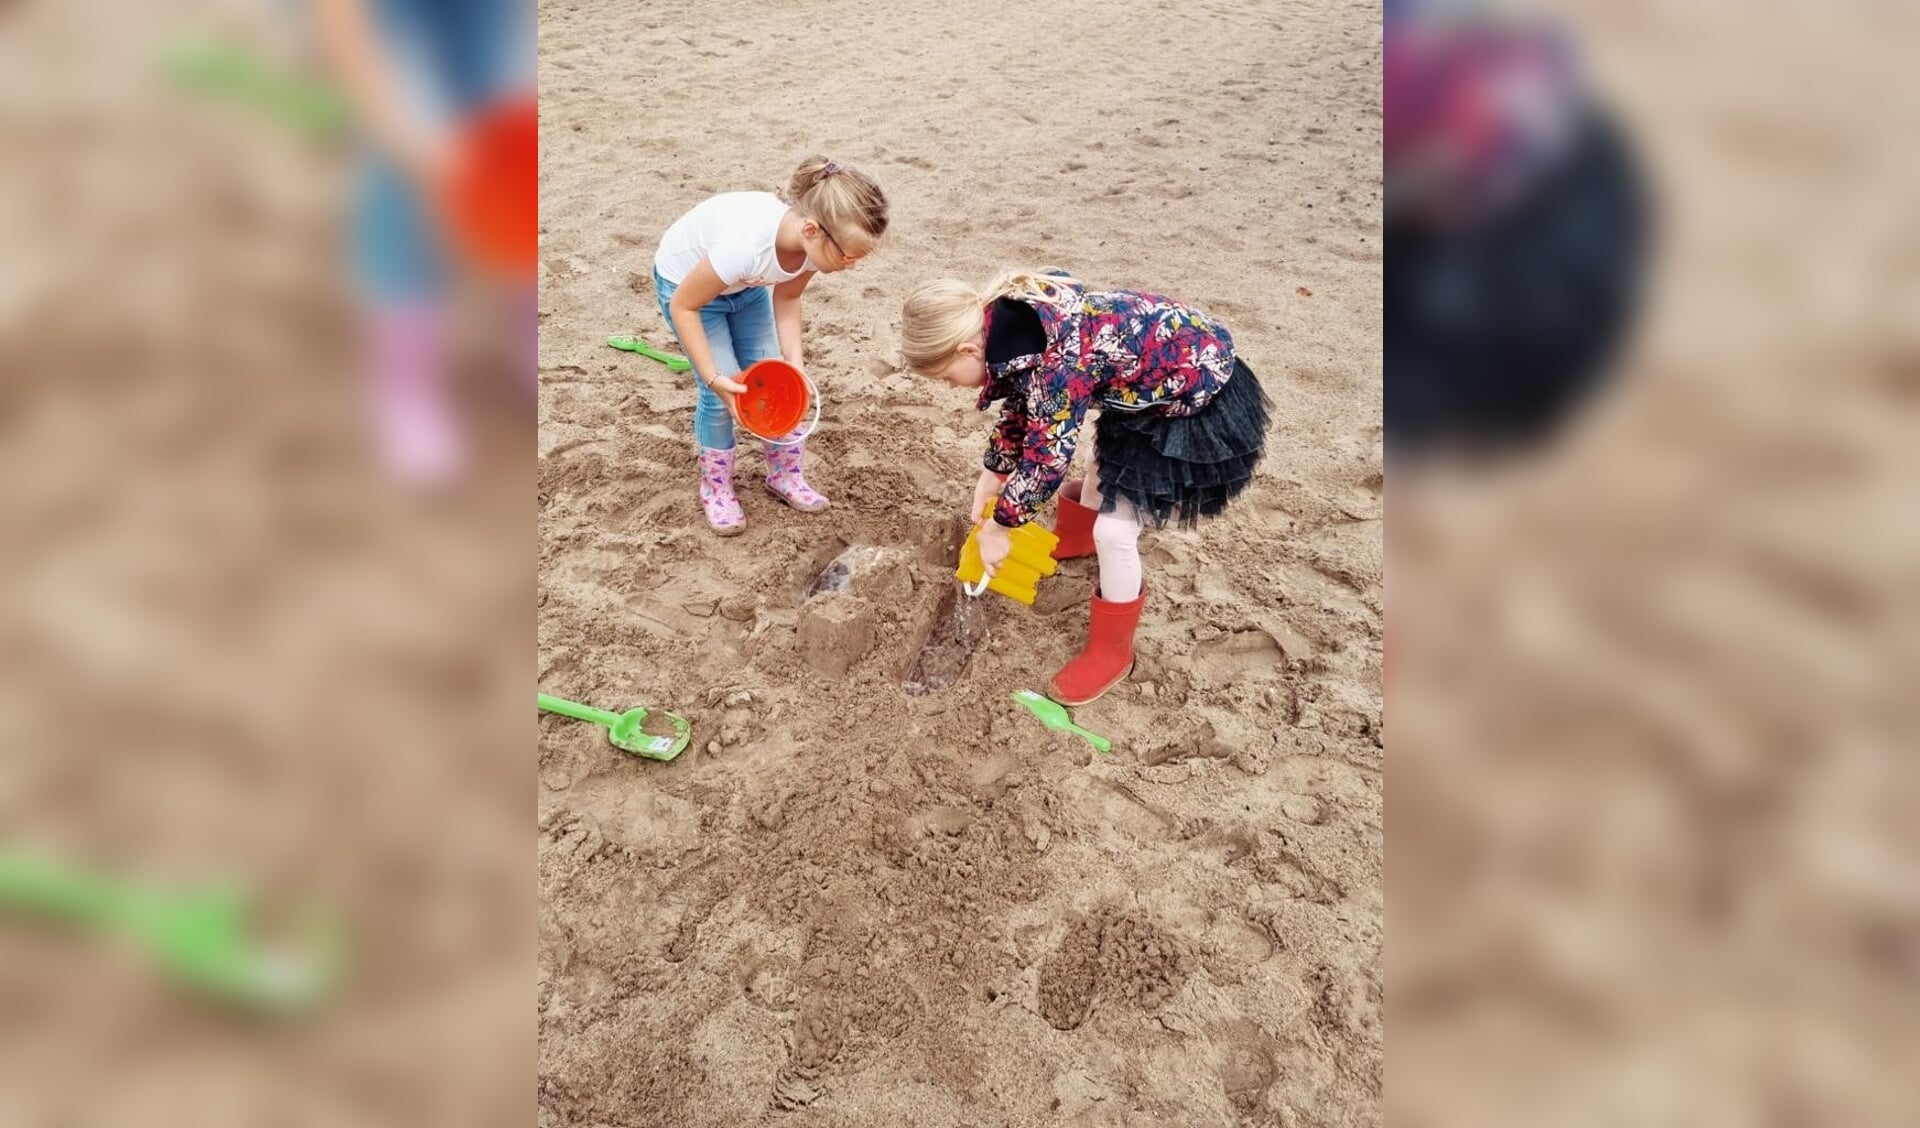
(1030, 559)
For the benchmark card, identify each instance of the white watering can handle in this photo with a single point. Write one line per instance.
(813, 394)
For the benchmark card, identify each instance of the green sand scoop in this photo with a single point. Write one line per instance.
(206, 940)
(1054, 715)
(636, 345)
(230, 71)
(624, 730)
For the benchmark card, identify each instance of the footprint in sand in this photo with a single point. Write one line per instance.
(643, 822)
(988, 775)
(1231, 941)
(1115, 812)
(1236, 656)
(1304, 809)
(1288, 869)
(1347, 1004)
(1245, 1066)
(769, 983)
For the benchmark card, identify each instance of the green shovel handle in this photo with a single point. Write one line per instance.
(579, 712)
(1100, 743)
(69, 893)
(201, 939)
(227, 70)
(635, 344)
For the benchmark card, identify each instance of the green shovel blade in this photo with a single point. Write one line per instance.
(206, 940)
(629, 733)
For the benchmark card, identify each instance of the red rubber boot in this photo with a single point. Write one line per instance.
(1073, 524)
(1108, 656)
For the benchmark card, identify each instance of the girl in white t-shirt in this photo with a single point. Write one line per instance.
(729, 275)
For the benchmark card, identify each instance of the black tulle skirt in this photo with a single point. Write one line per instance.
(1181, 468)
(1495, 336)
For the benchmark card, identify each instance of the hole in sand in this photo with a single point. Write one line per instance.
(836, 576)
(960, 624)
(862, 563)
(808, 574)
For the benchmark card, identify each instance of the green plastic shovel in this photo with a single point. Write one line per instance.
(1054, 715)
(636, 345)
(624, 730)
(207, 939)
(230, 71)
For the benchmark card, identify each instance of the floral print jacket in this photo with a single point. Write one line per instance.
(1118, 350)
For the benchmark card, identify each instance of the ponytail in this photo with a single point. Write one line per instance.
(838, 196)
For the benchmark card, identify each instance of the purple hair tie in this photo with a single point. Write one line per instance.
(831, 168)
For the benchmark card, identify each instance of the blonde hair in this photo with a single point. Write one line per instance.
(839, 197)
(941, 315)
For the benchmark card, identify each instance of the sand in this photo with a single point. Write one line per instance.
(849, 905)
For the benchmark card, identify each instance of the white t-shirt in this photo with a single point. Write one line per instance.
(735, 230)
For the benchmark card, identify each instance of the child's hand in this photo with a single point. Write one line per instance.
(994, 545)
(726, 386)
(429, 159)
(984, 492)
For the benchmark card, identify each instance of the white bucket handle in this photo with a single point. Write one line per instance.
(813, 394)
(976, 589)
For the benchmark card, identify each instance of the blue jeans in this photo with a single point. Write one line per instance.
(739, 331)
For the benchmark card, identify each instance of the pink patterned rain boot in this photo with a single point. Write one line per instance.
(716, 493)
(784, 480)
(412, 416)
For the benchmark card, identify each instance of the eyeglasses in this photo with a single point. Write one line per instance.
(837, 248)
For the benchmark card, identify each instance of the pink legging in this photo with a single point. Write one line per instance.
(1116, 541)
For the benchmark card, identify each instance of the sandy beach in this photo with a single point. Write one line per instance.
(853, 905)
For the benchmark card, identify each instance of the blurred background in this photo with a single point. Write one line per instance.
(266, 411)
(1653, 380)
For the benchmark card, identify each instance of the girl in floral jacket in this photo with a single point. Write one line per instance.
(1182, 424)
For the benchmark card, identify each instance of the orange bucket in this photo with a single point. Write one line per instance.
(776, 400)
(493, 200)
